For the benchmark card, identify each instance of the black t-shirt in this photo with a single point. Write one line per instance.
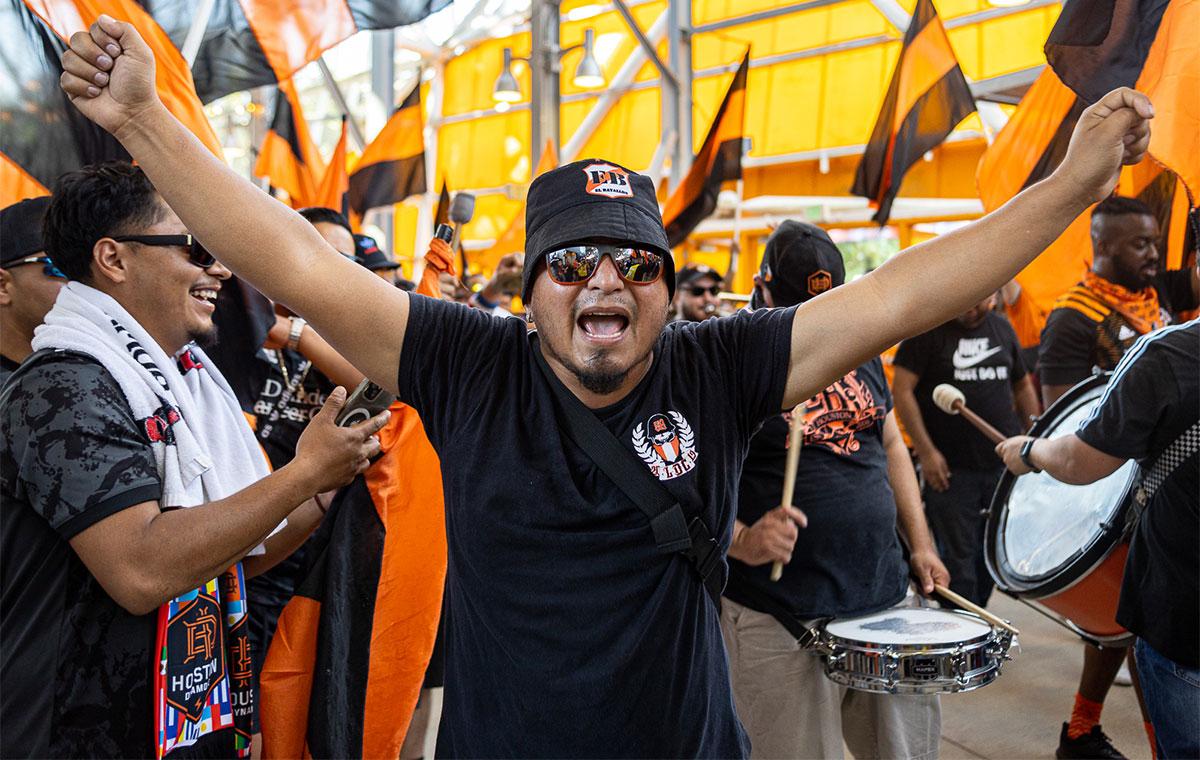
(76, 669)
(1154, 397)
(311, 391)
(567, 632)
(983, 362)
(270, 591)
(1082, 332)
(848, 560)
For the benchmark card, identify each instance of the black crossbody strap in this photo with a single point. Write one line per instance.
(672, 531)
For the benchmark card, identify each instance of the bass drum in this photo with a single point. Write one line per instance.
(1061, 546)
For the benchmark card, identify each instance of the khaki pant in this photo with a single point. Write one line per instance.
(791, 710)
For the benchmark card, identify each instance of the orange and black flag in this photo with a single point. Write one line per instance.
(250, 43)
(719, 160)
(344, 670)
(927, 98)
(43, 135)
(288, 157)
(1150, 45)
(392, 167)
(336, 183)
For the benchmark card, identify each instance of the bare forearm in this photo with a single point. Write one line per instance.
(301, 523)
(910, 517)
(1070, 460)
(331, 364)
(194, 545)
(914, 424)
(1026, 401)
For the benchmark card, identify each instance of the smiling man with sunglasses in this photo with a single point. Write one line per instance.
(698, 296)
(574, 625)
(136, 499)
(29, 283)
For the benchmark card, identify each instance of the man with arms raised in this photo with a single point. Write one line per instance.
(568, 632)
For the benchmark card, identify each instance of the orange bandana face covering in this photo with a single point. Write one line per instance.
(1139, 307)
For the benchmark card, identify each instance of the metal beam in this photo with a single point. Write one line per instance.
(680, 123)
(195, 35)
(544, 67)
(647, 46)
(750, 18)
(340, 100)
(991, 13)
(772, 60)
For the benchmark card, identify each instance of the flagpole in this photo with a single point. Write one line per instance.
(340, 100)
(195, 35)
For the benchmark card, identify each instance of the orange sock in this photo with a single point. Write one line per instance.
(1084, 715)
(1153, 746)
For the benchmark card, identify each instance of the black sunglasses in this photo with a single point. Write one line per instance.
(697, 291)
(196, 252)
(577, 263)
(48, 267)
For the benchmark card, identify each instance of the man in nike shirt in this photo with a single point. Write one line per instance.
(977, 353)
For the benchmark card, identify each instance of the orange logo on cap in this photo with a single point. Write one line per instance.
(608, 181)
(819, 281)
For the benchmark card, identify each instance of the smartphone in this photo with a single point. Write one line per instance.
(367, 400)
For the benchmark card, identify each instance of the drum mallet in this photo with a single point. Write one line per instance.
(795, 443)
(951, 401)
(970, 606)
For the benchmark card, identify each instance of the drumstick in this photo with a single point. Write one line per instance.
(970, 606)
(795, 443)
(951, 401)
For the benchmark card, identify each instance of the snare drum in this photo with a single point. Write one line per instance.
(913, 650)
(1064, 546)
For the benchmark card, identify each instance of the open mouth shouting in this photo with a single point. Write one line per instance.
(603, 325)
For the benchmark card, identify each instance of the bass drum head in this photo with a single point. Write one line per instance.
(1044, 535)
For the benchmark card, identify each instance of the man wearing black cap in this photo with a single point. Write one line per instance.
(854, 488)
(568, 631)
(29, 283)
(697, 293)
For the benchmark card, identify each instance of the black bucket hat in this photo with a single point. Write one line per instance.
(588, 199)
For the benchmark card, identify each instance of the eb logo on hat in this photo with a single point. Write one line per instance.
(608, 181)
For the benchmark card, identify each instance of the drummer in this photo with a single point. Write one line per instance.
(855, 486)
(1150, 412)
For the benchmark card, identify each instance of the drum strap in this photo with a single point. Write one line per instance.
(1183, 447)
(672, 530)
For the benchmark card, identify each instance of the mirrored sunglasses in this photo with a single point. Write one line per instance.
(696, 291)
(197, 254)
(48, 267)
(577, 263)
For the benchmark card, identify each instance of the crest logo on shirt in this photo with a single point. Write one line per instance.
(608, 181)
(667, 444)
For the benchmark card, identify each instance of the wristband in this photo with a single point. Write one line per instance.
(293, 341)
(479, 299)
(321, 506)
(1026, 448)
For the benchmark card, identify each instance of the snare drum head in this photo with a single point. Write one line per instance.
(1043, 527)
(910, 626)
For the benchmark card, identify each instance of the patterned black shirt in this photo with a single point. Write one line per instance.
(76, 669)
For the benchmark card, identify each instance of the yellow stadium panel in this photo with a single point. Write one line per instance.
(471, 76)
(487, 152)
(791, 121)
(493, 214)
(790, 33)
(628, 134)
(404, 235)
(1007, 44)
(856, 83)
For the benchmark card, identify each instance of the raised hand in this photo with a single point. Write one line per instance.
(108, 72)
(334, 455)
(1111, 133)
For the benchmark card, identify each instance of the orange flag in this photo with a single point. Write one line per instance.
(335, 183)
(288, 157)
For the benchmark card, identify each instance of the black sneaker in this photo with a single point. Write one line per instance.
(1090, 746)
